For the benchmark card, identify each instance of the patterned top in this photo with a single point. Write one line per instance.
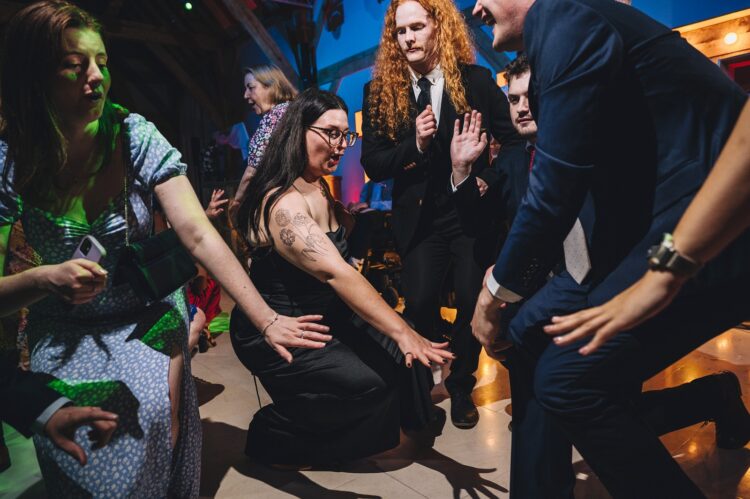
(263, 134)
(152, 161)
(114, 351)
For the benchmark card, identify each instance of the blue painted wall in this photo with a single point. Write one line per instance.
(676, 13)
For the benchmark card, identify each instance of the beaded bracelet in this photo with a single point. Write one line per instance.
(275, 318)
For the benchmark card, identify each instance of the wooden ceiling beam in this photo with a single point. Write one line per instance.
(257, 31)
(223, 18)
(708, 36)
(345, 67)
(131, 31)
(128, 30)
(206, 102)
(320, 21)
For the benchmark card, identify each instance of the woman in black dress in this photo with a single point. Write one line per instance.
(349, 399)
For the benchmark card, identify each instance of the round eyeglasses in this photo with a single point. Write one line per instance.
(336, 136)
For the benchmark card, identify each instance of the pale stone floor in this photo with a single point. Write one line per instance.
(463, 463)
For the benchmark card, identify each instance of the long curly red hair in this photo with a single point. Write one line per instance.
(389, 90)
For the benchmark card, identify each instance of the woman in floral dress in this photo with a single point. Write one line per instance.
(71, 162)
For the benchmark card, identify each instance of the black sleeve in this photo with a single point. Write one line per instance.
(478, 213)
(383, 158)
(23, 397)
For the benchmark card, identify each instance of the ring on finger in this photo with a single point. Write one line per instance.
(302, 335)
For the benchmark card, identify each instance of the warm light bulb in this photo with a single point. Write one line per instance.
(731, 38)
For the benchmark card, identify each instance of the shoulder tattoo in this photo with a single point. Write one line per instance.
(282, 218)
(301, 226)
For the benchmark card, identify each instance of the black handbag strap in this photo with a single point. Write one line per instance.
(125, 137)
(125, 144)
(126, 180)
(125, 200)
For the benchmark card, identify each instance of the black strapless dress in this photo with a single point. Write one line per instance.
(342, 402)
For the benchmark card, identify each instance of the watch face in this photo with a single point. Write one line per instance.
(655, 256)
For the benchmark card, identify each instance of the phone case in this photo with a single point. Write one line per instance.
(90, 249)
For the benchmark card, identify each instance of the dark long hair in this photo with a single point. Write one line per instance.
(284, 160)
(32, 51)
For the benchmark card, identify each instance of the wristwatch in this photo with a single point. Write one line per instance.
(665, 257)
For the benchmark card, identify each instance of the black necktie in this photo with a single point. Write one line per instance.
(424, 98)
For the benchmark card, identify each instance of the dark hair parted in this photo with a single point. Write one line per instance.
(32, 51)
(517, 67)
(284, 160)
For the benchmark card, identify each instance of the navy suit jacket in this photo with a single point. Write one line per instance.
(24, 396)
(630, 113)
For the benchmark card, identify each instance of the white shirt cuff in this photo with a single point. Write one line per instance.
(38, 425)
(455, 187)
(500, 292)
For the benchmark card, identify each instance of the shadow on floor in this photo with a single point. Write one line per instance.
(223, 449)
(461, 477)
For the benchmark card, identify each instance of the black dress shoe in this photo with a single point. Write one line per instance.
(203, 344)
(464, 413)
(732, 420)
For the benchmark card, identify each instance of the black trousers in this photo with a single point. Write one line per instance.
(442, 245)
(594, 402)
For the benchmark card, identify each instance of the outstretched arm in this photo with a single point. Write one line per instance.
(188, 219)
(299, 239)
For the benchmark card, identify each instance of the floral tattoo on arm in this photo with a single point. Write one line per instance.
(302, 226)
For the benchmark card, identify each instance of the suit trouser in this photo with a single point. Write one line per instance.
(425, 267)
(593, 401)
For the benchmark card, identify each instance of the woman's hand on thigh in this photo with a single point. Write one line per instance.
(643, 300)
(296, 332)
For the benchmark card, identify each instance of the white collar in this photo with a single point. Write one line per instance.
(433, 76)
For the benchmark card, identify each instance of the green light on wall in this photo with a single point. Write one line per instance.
(188, 6)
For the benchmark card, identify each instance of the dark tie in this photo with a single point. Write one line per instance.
(532, 151)
(424, 98)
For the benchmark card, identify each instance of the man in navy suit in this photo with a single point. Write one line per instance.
(631, 118)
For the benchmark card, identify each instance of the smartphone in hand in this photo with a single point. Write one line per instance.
(90, 249)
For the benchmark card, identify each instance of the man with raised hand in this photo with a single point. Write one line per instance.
(423, 79)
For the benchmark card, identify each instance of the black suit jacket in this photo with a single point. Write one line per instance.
(630, 114)
(23, 396)
(512, 169)
(508, 180)
(419, 177)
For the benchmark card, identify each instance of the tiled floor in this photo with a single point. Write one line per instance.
(463, 463)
